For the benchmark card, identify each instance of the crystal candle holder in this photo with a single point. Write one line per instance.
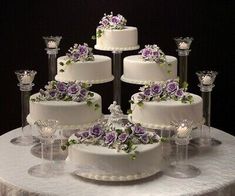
(47, 129)
(183, 49)
(52, 48)
(180, 168)
(206, 84)
(25, 78)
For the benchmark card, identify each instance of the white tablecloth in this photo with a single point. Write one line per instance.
(217, 175)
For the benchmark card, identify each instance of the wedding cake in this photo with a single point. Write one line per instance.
(114, 35)
(80, 64)
(72, 104)
(115, 151)
(158, 105)
(150, 66)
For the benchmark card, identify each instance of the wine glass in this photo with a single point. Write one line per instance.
(47, 129)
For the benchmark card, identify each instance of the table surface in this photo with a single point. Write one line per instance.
(217, 176)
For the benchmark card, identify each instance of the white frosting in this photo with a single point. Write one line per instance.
(118, 40)
(94, 72)
(68, 113)
(102, 161)
(138, 71)
(155, 114)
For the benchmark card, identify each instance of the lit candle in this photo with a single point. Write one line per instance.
(51, 44)
(206, 80)
(182, 131)
(47, 131)
(183, 45)
(26, 79)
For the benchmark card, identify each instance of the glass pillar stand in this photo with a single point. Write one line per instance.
(52, 44)
(183, 49)
(180, 168)
(46, 129)
(25, 78)
(117, 72)
(206, 79)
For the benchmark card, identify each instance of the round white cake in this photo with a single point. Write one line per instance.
(118, 40)
(154, 114)
(70, 114)
(102, 163)
(94, 72)
(137, 70)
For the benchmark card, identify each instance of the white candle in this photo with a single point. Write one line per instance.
(47, 131)
(206, 80)
(182, 131)
(51, 44)
(26, 79)
(183, 45)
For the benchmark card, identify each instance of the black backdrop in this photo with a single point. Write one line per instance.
(23, 23)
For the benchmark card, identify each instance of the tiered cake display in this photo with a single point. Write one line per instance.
(114, 148)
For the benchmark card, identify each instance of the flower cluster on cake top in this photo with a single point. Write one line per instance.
(79, 52)
(163, 91)
(111, 22)
(125, 138)
(153, 53)
(62, 91)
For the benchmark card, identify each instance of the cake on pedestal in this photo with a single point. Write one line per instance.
(81, 65)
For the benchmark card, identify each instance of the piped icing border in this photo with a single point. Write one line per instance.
(117, 48)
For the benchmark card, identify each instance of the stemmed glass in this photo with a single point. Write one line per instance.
(180, 168)
(47, 129)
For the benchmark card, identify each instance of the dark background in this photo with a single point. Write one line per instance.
(23, 23)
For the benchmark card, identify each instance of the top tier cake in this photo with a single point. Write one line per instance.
(114, 35)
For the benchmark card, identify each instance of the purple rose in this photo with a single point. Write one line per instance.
(147, 92)
(104, 22)
(73, 89)
(123, 137)
(96, 131)
(85, 134)
(147, 52)
(83, 92)
(179, 93)
(115, 19)
(61, 86)
(144, 138)
(83, 50)
(78, 135)
(138, 130)
(172, 87)
(156, 89)
(110, 138)
(156, 54)
(53, 93)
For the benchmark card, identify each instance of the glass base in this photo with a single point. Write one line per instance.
(182, 171)
(205, 142)
(25, 140)
(42, 170)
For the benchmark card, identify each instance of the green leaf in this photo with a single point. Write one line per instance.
(163, 139)
(33, 100)
(89, 103)
(97, 106)
(169, 71)
(119, 131)
(140, 103)
(61, 63)
(61, 70)
(185, 85)
(131, 101)
(91, 94)
(129, 111)
(68, 62)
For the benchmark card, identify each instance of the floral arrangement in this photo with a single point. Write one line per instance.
(125, 139)
(163, 91)
(153, 53)
(111, 22)
(78, 53)
(71, 91)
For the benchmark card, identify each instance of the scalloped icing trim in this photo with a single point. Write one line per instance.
(69, 127)
(117, 48)
(116, 178)
(60, 79)
(141, 82)
(161, 127)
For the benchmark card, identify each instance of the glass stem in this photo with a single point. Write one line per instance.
(181, 154)
(117, 71)
(183, 69)
(24, 112)
(42, 156)
(52, 66)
